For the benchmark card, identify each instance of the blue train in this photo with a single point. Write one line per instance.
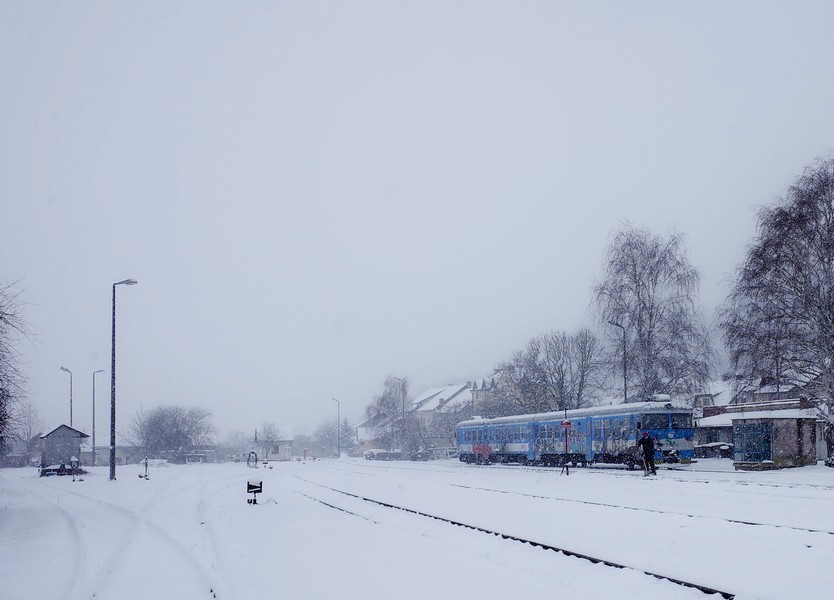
(603, 434)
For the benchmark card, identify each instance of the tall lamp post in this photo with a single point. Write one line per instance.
(338, 426)
(94, 414)
(65, 370)
(113, 382)
(625, 386)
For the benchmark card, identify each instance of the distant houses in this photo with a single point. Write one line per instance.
(436, 411)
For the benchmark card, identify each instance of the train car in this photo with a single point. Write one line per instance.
(603, 434)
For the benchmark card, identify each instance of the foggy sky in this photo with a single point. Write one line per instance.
(314, 195)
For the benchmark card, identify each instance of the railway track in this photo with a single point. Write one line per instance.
(625, 507)
(513, 538)
(646, 510)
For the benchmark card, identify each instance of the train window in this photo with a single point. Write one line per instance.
(681, 421)
(655, 421)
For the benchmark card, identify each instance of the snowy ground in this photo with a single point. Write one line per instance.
(187, 532)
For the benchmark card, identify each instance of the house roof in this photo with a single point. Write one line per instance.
(375, 421)
(463, 398)
(81, 434)
(722, 391)
(439, 397)
(726, 419)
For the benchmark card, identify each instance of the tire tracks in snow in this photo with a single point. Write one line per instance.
(138, 522)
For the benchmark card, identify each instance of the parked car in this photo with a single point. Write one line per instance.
(383, 454)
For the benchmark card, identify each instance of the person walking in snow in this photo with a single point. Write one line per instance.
(646, 444)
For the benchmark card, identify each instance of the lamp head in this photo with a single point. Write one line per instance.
(66, 370)
(126, 282)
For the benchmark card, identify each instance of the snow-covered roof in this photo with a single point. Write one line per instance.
(375, 421)
(722, 391)
(441, 396)
(81, 434)
(463, 398)
(426, 396)
(582, 412)
(726, 419)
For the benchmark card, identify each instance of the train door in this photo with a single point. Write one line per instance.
(533, 454)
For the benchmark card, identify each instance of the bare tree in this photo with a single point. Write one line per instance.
(27, 425)
(12, 382)
(554, 371)
(171, 431)
(268, 438)
(521, 383)
(650, 289)
(574, 368)
(779, 317)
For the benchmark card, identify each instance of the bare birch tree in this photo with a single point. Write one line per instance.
(650, 289)
(574, 368)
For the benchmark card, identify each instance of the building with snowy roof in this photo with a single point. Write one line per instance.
(62, 445)
(783, 432)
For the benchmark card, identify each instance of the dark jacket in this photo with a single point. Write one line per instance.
(646, 443)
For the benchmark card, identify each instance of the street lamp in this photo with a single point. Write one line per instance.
(338, 426)
(625, 387)
(113, 382)
(65, 370)
(94, 414)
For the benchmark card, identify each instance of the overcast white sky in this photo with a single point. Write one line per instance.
(314, 195)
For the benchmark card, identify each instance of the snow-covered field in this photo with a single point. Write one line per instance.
(188, 532)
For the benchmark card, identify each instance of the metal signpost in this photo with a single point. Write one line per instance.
(254, 488)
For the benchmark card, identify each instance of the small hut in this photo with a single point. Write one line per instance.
(773, 439)
(61, 445)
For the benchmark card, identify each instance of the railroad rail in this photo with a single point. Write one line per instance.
(564, 551)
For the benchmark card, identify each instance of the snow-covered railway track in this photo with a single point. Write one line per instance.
(646, 510)
(638, 509)
(512, 538)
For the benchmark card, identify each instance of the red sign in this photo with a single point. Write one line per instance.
(565, 424)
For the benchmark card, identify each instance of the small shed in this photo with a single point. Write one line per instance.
(61, 444)
(773, 439)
